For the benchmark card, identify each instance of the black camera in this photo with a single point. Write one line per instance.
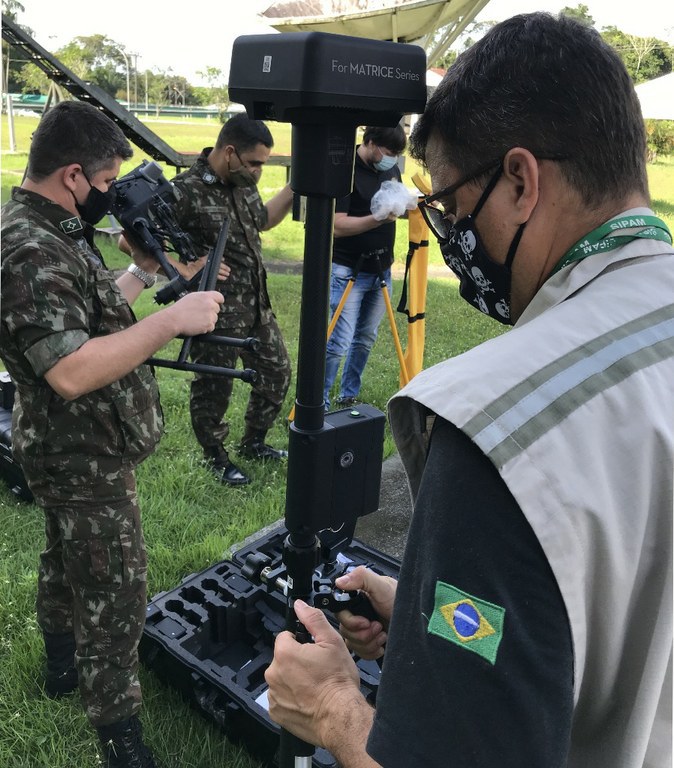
(143, 205)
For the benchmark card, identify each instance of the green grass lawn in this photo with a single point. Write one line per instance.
(190, 520)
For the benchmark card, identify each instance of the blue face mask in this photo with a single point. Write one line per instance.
(386, 163)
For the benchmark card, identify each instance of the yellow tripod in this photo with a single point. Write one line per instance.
(404, 376)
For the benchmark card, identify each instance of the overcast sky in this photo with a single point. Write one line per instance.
(201, 32)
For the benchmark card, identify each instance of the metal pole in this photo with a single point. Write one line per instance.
(10, 113)
(128, 86)
(301, 548)
(135, 79)
(320, 216)
(10, 123)
(128, 78)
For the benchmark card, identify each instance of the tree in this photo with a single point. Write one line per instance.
(13, 59)
(216, 89)
(446, 61)
(177, 90)
(104, 59)
(11, 8)
(473, 32)
(95, 58)
(644, 57)
(158, 87)
(33, 80)
(580, 13)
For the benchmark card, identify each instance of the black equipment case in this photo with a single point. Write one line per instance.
(10, 470)
(212, 637)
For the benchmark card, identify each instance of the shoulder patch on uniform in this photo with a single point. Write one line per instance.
(71, 225)
(467, 621)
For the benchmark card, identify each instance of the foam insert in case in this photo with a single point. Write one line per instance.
(212, 638)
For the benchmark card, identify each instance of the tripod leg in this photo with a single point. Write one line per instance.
(342, 302)
(209, 277)
(345, 295)
(396, 339)
(404, 375)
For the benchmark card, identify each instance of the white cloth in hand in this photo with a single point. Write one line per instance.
(393, 197)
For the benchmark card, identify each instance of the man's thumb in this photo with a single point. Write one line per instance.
(356, 579)
(314, 621)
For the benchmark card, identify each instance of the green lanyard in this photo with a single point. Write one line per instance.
(609, 236)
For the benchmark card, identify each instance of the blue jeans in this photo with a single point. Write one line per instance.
(356, 329)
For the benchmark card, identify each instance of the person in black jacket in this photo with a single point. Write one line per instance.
(363, 247)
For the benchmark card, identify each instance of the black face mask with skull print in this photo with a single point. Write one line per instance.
(483, 282)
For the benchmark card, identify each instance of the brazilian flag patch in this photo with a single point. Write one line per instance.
(467, 621)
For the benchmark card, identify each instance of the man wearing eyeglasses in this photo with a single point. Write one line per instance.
(223, 183)
(532, 621)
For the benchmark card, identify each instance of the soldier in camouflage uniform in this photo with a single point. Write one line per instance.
(222, 183)
(86, 413)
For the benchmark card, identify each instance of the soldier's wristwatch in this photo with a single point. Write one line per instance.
(142, 275)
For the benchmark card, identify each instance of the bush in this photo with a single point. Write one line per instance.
(660, 136)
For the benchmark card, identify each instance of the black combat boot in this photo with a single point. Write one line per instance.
(225, 470)
(346, 402)
(253, 446)
(123, 745)
(61, 675)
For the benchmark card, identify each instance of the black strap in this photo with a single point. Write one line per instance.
(402, 304)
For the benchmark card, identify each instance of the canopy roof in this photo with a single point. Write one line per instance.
(398, 20)
(657, 97)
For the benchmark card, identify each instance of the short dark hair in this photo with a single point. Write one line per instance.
(551, 85)
(393, 139)
(244, 133)
(75, 132)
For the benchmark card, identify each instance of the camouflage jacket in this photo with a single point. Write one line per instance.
(203, 200)
(57, 294)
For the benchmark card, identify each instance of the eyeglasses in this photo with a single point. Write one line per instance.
(439, 221)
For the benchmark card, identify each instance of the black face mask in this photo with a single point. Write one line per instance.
(483, 282)
(96, 205)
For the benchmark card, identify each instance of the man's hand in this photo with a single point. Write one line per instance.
(314, 688)
(144, 260)
(364, 637)
(104, 359)
(150, 264)
(124, 245)
(196, 313)
(189, 270)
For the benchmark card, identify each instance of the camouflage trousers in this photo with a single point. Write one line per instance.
(92, 581)
(210, 395)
